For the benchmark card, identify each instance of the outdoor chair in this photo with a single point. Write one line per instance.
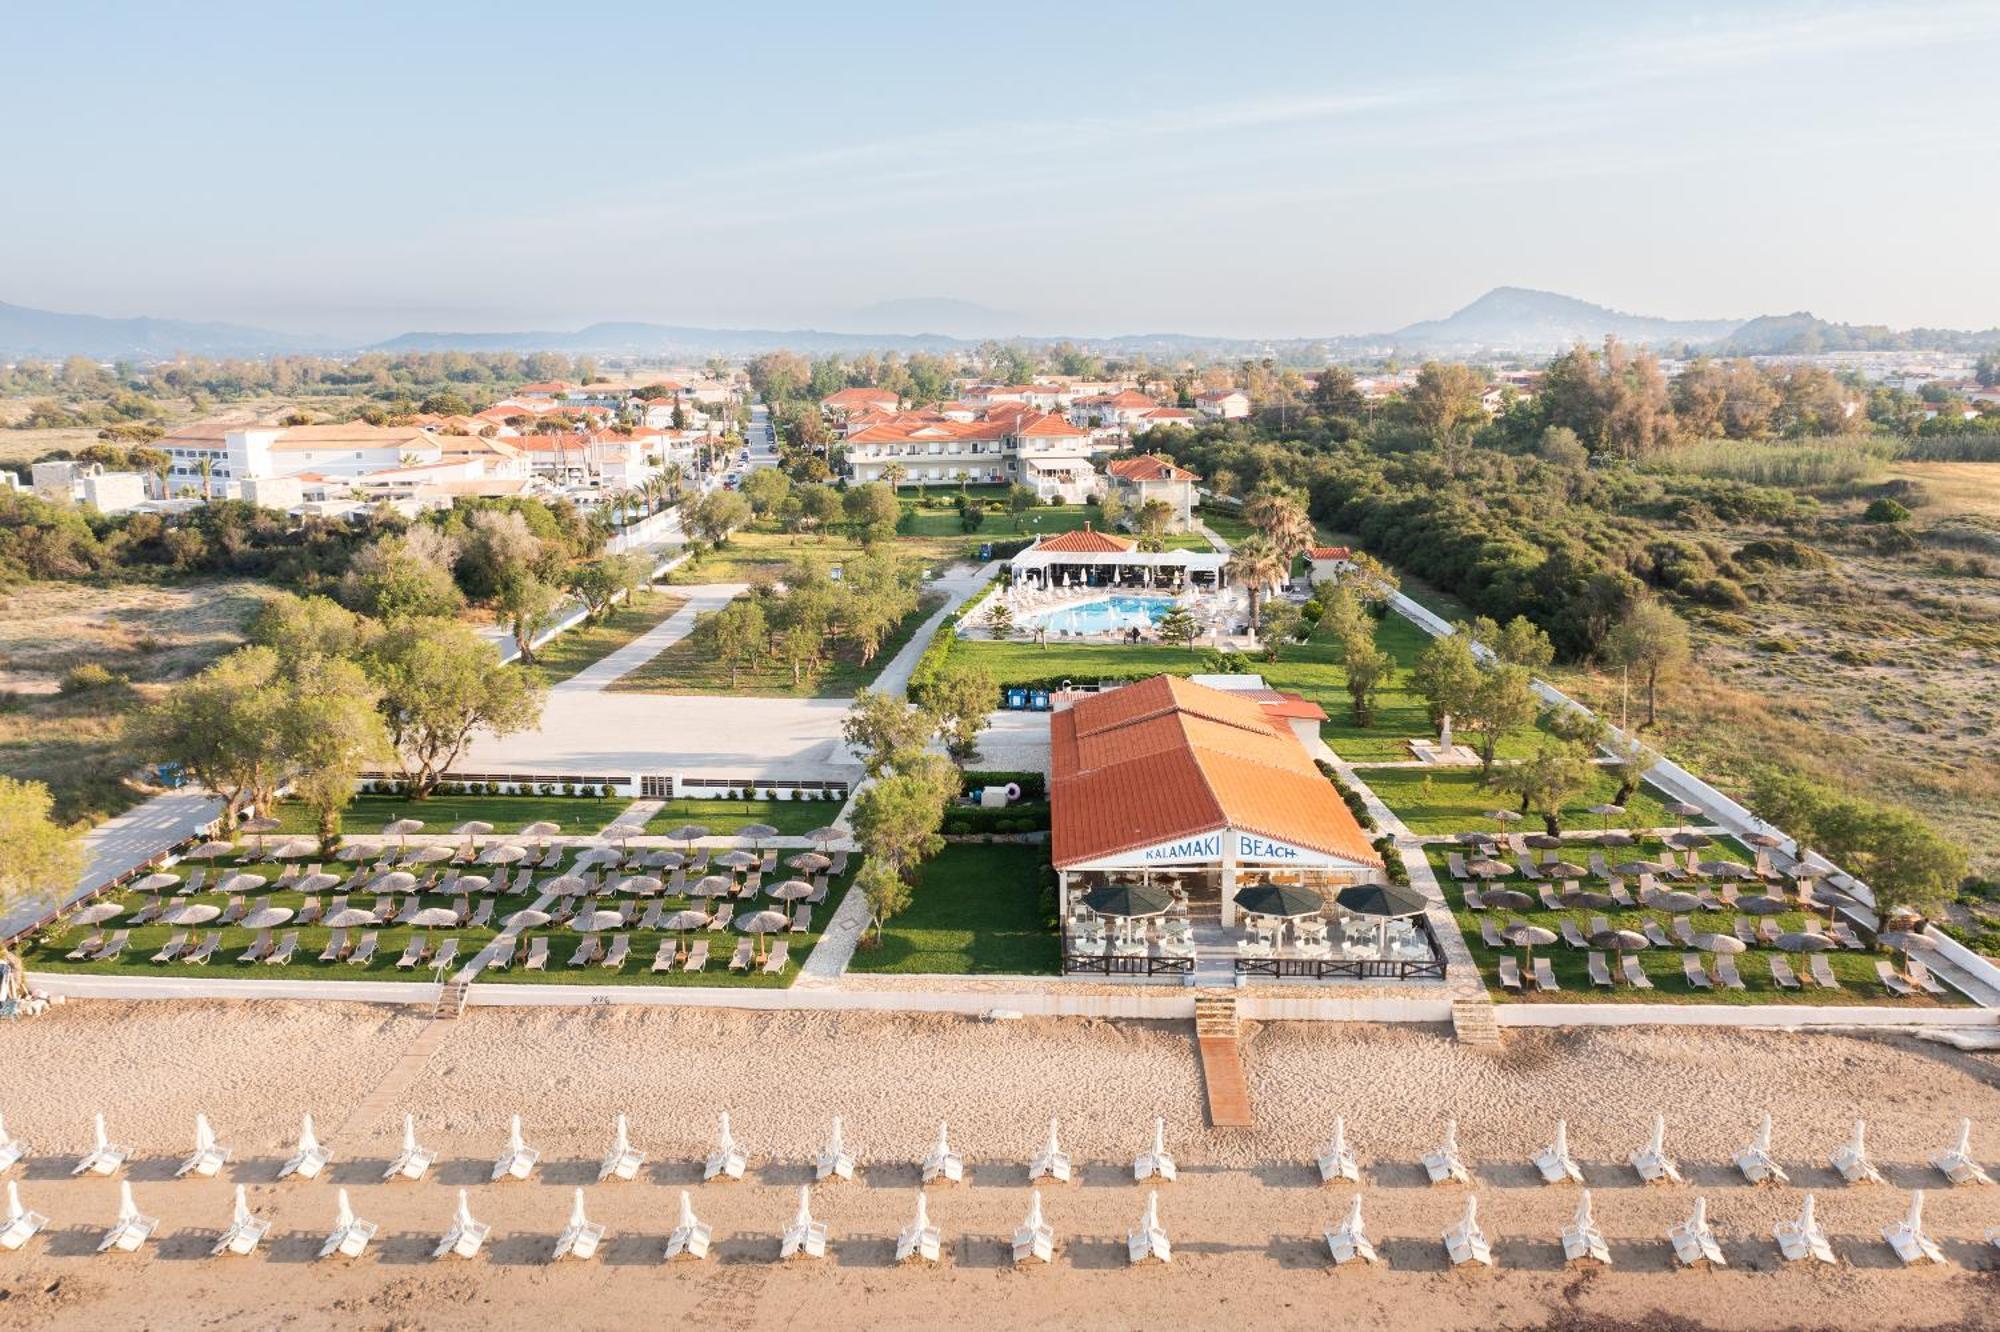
(364, 952)
(281, 956)
(1545, 977)
(1510, 974)
(1600, 975)
(1781, 974)
(697, 958)
(176, 944)
(1635, 975)
(336, 946)
(1691, 968)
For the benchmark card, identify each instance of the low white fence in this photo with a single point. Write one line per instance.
(89, 985)
(1737, 1015)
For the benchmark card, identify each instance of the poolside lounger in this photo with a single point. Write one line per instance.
(134, 1228)
(740, 961)
(309, 911)
(364, 952)
(1474, 900)
(1727, 892)
(820, 886)
(1619, 894)
(1921, 974)
(839, 865)
(1456, 863)
(1781, 974)
(1822, 971)
(1743, 930)
(195, 880)
(288, 945)
(1708, 900)
(1550, 902)
(201, 955)
(1597, 865)
(651, 919)
(447, 955)
(774, 964)
(538, 955)
(1843, 934)
(587, 952)
(802, 919)
(697, 958)
(1545, 978)
(149, 909)
(1897, 986)
(1768, 931)
(413, 954)
(719, 922)
(259, 946)
(462, 907)
(1655, 935)
(615, 956)
(1529, 869)
(1489, 934)
(769, 863)
(1572, 936)
(1600, 925)
(1635, 975)
(336, 946)
(1554, 1163)
(176, 945)
(1683, 931)
(1600, 975)
(233, 912)
(310, 1158)
(1691, 968)
(91, 943)
(116, 948)
(1725, 972)
(664, 956)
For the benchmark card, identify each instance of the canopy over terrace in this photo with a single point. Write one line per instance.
(1207, 787)
(1089, 558)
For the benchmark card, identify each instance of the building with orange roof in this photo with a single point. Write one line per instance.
(1087, 558)
(850, 400)
(1329, 562)
(1151, 477)
(1205, 787)
(1010, 444)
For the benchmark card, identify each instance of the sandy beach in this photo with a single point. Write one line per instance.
(1245, 1216)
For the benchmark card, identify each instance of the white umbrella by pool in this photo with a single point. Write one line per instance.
(1503, 817)
(791, 890)
(348, 918)
(267, 918)
(599, 855)
(1689, 841)
(689, 833)
(1719, 943)
(472, 828)
(1804, 941)
(426, 855)
(209, 851)
(395, 881)
(527, 919)
(681, 922)
(354, 853)
(825, 837)
(1564, 869)
(666, 860)
(762, 923)
(541, 828)
(1528, 937)
(1686, 809)
(502, 855)
(435, 918)
(1725, 869)
(1678, 904)
(153, 883)
(193, 913)
(1768, 841)
(713, 885)
(1762, 904)
(737, 859)
(593, 922)
(97, 913)
(241, 883)
(1487, 869)
(639, 885)
(258, 826)
(296, 849)
(1605, 811)
(809, 862)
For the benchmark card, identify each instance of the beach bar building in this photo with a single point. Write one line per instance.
(1089, 558)
(1198, 789)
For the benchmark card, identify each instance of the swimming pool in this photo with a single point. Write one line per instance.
(1109, 615)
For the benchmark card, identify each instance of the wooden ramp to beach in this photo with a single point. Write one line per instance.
(1216, 1035)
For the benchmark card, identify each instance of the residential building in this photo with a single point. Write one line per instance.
(848, 401)
(1223, 404)
(1034, 449)
(1151, 477)
(1121, 411)
(1329, 562)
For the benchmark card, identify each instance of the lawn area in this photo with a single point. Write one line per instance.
(977, 911)
(790, 817)
(1001, 525)
(588, 644)
(1452, 800)
(1855, 970)
(762, 551)
(367, 814)
(687, 667)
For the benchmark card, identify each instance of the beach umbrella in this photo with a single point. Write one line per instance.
(472, 883)
(1280, 899)
(594, 922)
(502, 855)
(241, 883)
(1769, 841)
(400, 829)
(435, 918)
(314, 883)
(193, 913)
(689, 833)
(1798, 869)
(208, 851)
(1128, 899)
(1487, 868)
(1686, 809)
(97, 913)
(639, 885)
(1908, 941)
(681, 922)
(737, 859)
(426, 855)
(348, 918)
(826, 836)
(1634, 868)
(1528, 937)
(1689, 841)
(618, 832)
(1605, 811)
(567, 885)
(1725, 869)
(761, 923)
(395, 881)
(1507, 899)
(258, 826)
(1616, 839)
(1503, 817)
(354, 852)
(600, 855)
(792, 890)
(267, 918)
(1476, 838)
(1803, 941)
(1678, 904)
(152, 883)
(1381, 899)
(472, 828)
(1586, 899)
(712, 885)
(1620, 941)
(1543, 841)
(1564, 869)
(1762, 904)
(809, 862)
(667, 860)
(1718, 943)
(527, 918)
(541, 828)
(296, 849)
(756, 832)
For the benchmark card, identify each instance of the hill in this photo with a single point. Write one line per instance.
(1519, 319)
(1804, 334)
(26, 332)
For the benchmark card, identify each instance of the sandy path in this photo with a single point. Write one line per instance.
(1245, 1216)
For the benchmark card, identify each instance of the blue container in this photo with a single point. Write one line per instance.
(1041, 703)
(1017, 699)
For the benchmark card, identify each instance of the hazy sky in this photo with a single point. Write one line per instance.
(1283, 169)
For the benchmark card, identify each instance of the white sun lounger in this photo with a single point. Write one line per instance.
(349, 1236)
(1052, 1162)
(1465, 1243)
(1907, 1236)
(1554, 1163)
(1034, 1238)
(208, 1157)
(623, 1161)
(1155, 1162)
(310, 1158)
(690, 1237)
(833, 1162)
(1652, 1162)
(1147, 1242)
(105, 1157)
(1851, 1158)
(1801, 1239)
(1582, 1241)
(941, 1163)
(727, 1161)
(466, 1236)
(134, 1228)
(581, 1237)
(12, 1150)
(1694, 1243)
(804, 1237)
(1756, 1162)
(920, 1241)
(1444, 1166)
(1955, 1163)
(519, 1160)
(1336, 1162)
(19, 1225)
(245, 1231)
(413, 1161)
(1348, 1242)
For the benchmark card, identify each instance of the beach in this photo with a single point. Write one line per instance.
(1245, 1216)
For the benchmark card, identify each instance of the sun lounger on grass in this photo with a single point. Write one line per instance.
(364, 951)
(1921, 976)
(200, 956)
(336, 946)
(775, 963)
(1781, 974)
(259, 946)
(1897, 986)
(413, 954)
(802, 919)
(587, 953)
(1600, 975)
(740, 961)
(1744, 930)
(1489, 934)
(483, 918)
(447, 954)
(1550, 902)
(697, 958)
(1619, 894)
(176, 944)
(538, 955)
(116, 947)
(1683, 931)
(621, 948)
(1456, 863)
(1822, 971)
(1635, 975)
(1691, 968)
(1545, 979)
(1572, 935)
(1725, 971)
(663, 956)
(1655, 935)
(88, 948)
(288, 945)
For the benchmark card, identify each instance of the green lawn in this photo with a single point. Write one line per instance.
(1451, 800)
(588, 644)
(977, 911)
(367, 814)
(763, 551)
(1856, 971)
(688, 667)
(790, 817)
(1001, 525)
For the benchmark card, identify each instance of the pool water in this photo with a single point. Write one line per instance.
(1107, 616)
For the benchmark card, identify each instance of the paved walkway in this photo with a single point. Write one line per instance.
(600, 674)
(122, 844)
(959, 588)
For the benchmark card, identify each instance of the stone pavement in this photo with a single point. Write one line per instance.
(120, 845)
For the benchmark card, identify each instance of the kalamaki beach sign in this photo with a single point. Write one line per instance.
(1207, 849)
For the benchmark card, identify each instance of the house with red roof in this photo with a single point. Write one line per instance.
(1011, 444)
(1151, 477)
(850, 400)
(1223, 404)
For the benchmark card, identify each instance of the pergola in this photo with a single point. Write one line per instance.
(1088, 558)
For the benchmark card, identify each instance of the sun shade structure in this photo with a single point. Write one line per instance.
(1280, 899)
(1381, 899)
(1127, 899)
(1176, 775)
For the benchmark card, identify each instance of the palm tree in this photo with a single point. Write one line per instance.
(894, 474)
(206, 467)
(1258, 567)
(1283, 521)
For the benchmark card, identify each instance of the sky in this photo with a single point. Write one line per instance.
(1255, 169)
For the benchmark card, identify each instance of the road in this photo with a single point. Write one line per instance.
(120, 845)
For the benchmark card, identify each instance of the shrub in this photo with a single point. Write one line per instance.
(1312, 610)
(569, 788)
(547, 788)
(87, 677)
(607, 790)
(1885, 510)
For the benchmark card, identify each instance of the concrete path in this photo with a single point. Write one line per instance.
(829, 958)
(634, 816)
(959, 587)
(613, 666)
(120, 845)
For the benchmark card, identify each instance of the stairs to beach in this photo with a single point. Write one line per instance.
(1217, 1036)
(1472, 1022)
(451, 1000)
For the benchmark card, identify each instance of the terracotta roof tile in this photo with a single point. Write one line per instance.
(1085, 541)
(1149, 467)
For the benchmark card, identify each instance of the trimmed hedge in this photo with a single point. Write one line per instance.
(1355, 804)
(1034, 786)
(961, 820)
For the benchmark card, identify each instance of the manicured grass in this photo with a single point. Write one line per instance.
(1002, 525)
(688, 667)
(790, 817)
(1226, 525)
(1400, 715)
(367, 814)
(1855, 970)
(1451, 800)
(588, 644)
(977, 911)
(763, 551)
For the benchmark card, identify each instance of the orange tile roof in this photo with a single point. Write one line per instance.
(1129, 398)
(1149, 467)
(1328, 552)
(859, 397)
(1050, 426)
(1168, 758)
(1085, 541)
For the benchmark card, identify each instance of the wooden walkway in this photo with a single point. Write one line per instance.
(396, 1083)
(1216, 1034)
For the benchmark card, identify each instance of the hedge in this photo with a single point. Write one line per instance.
(1034, 786)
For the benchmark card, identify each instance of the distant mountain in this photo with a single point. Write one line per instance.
(625, 339)
(954, 318)
(1517, 319)
(1804, 334)
(44, 333)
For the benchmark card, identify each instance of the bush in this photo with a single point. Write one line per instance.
(87, 677)
(1034, 785)
(1312, 610)
(547, 788)
(607, 790)
(1885, 510)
